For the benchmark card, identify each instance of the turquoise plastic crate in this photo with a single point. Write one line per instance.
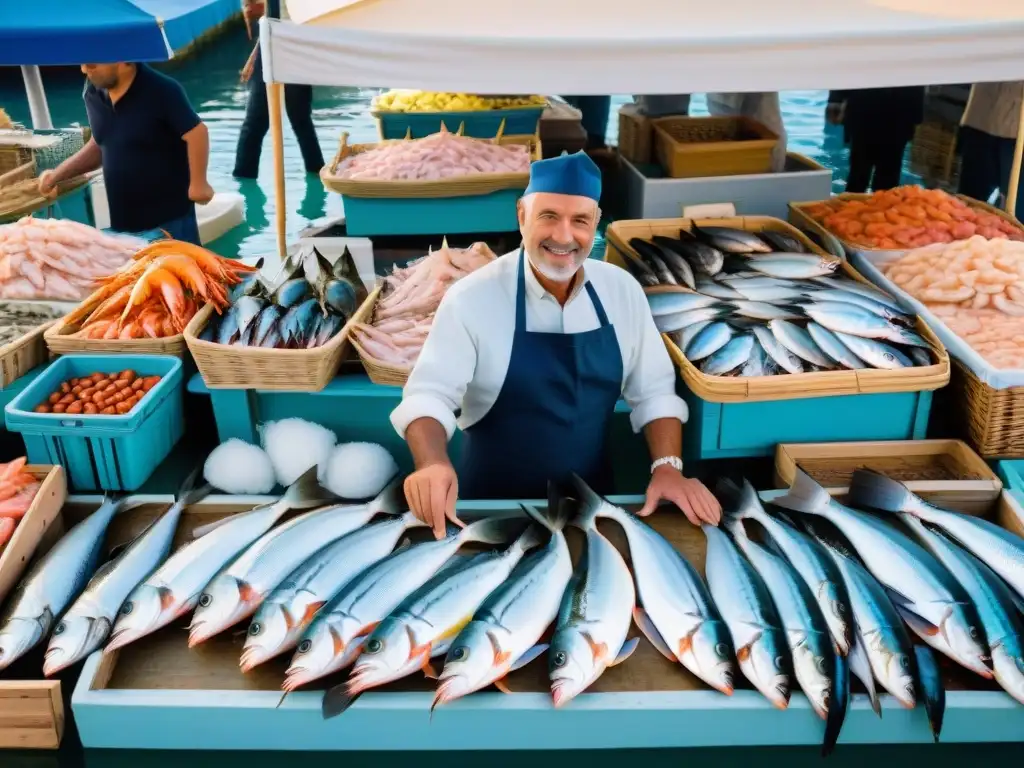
(494, 212)
(480, 124)
(109, 453)
(742, 430)
(1011, 472)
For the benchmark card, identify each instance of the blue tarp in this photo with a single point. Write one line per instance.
(70, 32)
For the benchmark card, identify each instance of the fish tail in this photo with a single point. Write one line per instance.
(903, 336)
(391, 500)
(493, 530)
(306, 491)
(534, 536)
(805, 495)
(872, 489)
(590, 503)
(838, 702)
(557, 514)
(188, 493)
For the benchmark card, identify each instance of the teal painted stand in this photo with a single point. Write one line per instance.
(359, 410)
(493, 212)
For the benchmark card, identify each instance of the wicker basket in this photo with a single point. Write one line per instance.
(296, 370)
(690, 147)
(933, 153)
(992, 420)
(381, 373)
(20, 356)
(460, 186)
(725, 389)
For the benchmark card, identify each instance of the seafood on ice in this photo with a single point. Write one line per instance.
(18, 489)
(157, 294)
(443, 155)
(909, 217)
(976, 288)
(411, 295)
(58, 259)
(304, 309)
(17, 319)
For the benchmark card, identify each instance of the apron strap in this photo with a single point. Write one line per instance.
(602, 316)
(598, 306)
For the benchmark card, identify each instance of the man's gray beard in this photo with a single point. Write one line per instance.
(563, 275)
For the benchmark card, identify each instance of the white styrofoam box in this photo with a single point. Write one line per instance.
(219, 216)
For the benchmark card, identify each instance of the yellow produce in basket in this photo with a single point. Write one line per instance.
(397, 100)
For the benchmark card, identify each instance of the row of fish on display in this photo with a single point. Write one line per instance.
(740, 303)
(827, 589)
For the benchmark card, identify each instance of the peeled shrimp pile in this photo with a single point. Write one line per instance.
(160, 291)
(58, 259)
(18, 490)
(976, 287)
(440, 156)
(909, 217)
(404, 314)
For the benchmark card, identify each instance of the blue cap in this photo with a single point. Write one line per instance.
(574, 174)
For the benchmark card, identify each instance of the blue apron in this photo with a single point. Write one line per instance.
(552, 415)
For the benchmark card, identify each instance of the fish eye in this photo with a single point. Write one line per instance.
(903, 661)
(559, 659)
(205, 600)
(460, 653)
(59, 629)
(819, 662)
(255, 629)
(780, 663)
(722, 650)
(127, 608)
(888, 356)
(305, 645)
(973, 632)
(374, 646)
(840, 607)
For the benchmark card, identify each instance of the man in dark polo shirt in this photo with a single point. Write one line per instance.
(152, 146)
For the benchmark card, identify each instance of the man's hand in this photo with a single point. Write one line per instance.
(48, 183)
(690, 495)
(200, 192)
(431, 493)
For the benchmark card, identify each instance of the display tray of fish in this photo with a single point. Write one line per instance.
(304, 308)
(20, 317)
(735, 305)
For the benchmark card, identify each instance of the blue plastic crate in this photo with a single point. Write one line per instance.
(494, 212)
(110, 453)
(480, 124)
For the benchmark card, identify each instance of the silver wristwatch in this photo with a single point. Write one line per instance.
(673, 461)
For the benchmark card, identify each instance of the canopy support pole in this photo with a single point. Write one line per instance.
(275, 96)
(37, 106)
(1013, 188)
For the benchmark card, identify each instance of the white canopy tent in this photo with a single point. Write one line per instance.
(642, 46)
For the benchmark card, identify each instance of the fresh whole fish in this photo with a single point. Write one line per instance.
(52, 583)
(879, 631)
(265, 323)
(678, 301)
(777, 352)
(719, 290)
(790, 266)
(802, 621)
(226, 332)
(703, 258)
(1000, 618)
(711, 338)
(875, 353)
(685, 336)
(594, 618)
(89, 621)
(504, 633)
(844, 296)
(674, 609)
(782, 242)
(746, 606)
(859, 288)
(680, 320)
(677, 265)
(994, 545)
(174, 588)
(427, 622)
(798, 341)
(920, 356)
(730, 357)
(930, 684)
(731, 240)
(831, 345)
(248, 308)
(758, 364)
(857, 321)
(813, 564)
(651, 256)
(642, 272)
(250, 283)
(292, 292)
(238, 590)
(926, 596)
(336, 636)
(759, 310)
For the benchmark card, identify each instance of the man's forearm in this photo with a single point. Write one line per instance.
(85, 160)
(198, 142)
(664, 438)
(428, 442)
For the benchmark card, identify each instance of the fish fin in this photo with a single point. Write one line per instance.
(626, 651)
(417, 650)
(247, 594)
(429, 671)
(336, 701)
(496, 530)
(921, 626)
(166, 598)
(501, 657)
(743, 653)
(502, 686)
(311, 611)
(861, 668)
(188, 492)
(838, 703)
(685, 645)
(643, 621)
(872, 489)
(306, 491)
(930, 680)
(403, 544)
(530, 655)
(805, 495)
(337, 641)
(391, 499)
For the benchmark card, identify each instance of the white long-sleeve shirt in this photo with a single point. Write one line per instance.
(466, 356)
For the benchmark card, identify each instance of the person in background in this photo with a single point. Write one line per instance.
(298, 104)
(988, 132)
(533, 351)
(762, 107)
(595, 111)
(152, 146)
(878, 123)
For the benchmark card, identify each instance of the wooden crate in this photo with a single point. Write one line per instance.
(33, 527)
(688, 147)
(945, 472)
(636, 135)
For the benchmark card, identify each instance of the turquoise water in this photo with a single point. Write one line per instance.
(211, 79)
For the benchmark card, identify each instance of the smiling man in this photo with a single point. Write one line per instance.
(533, 351)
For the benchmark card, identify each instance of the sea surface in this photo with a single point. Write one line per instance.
(210, 77)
